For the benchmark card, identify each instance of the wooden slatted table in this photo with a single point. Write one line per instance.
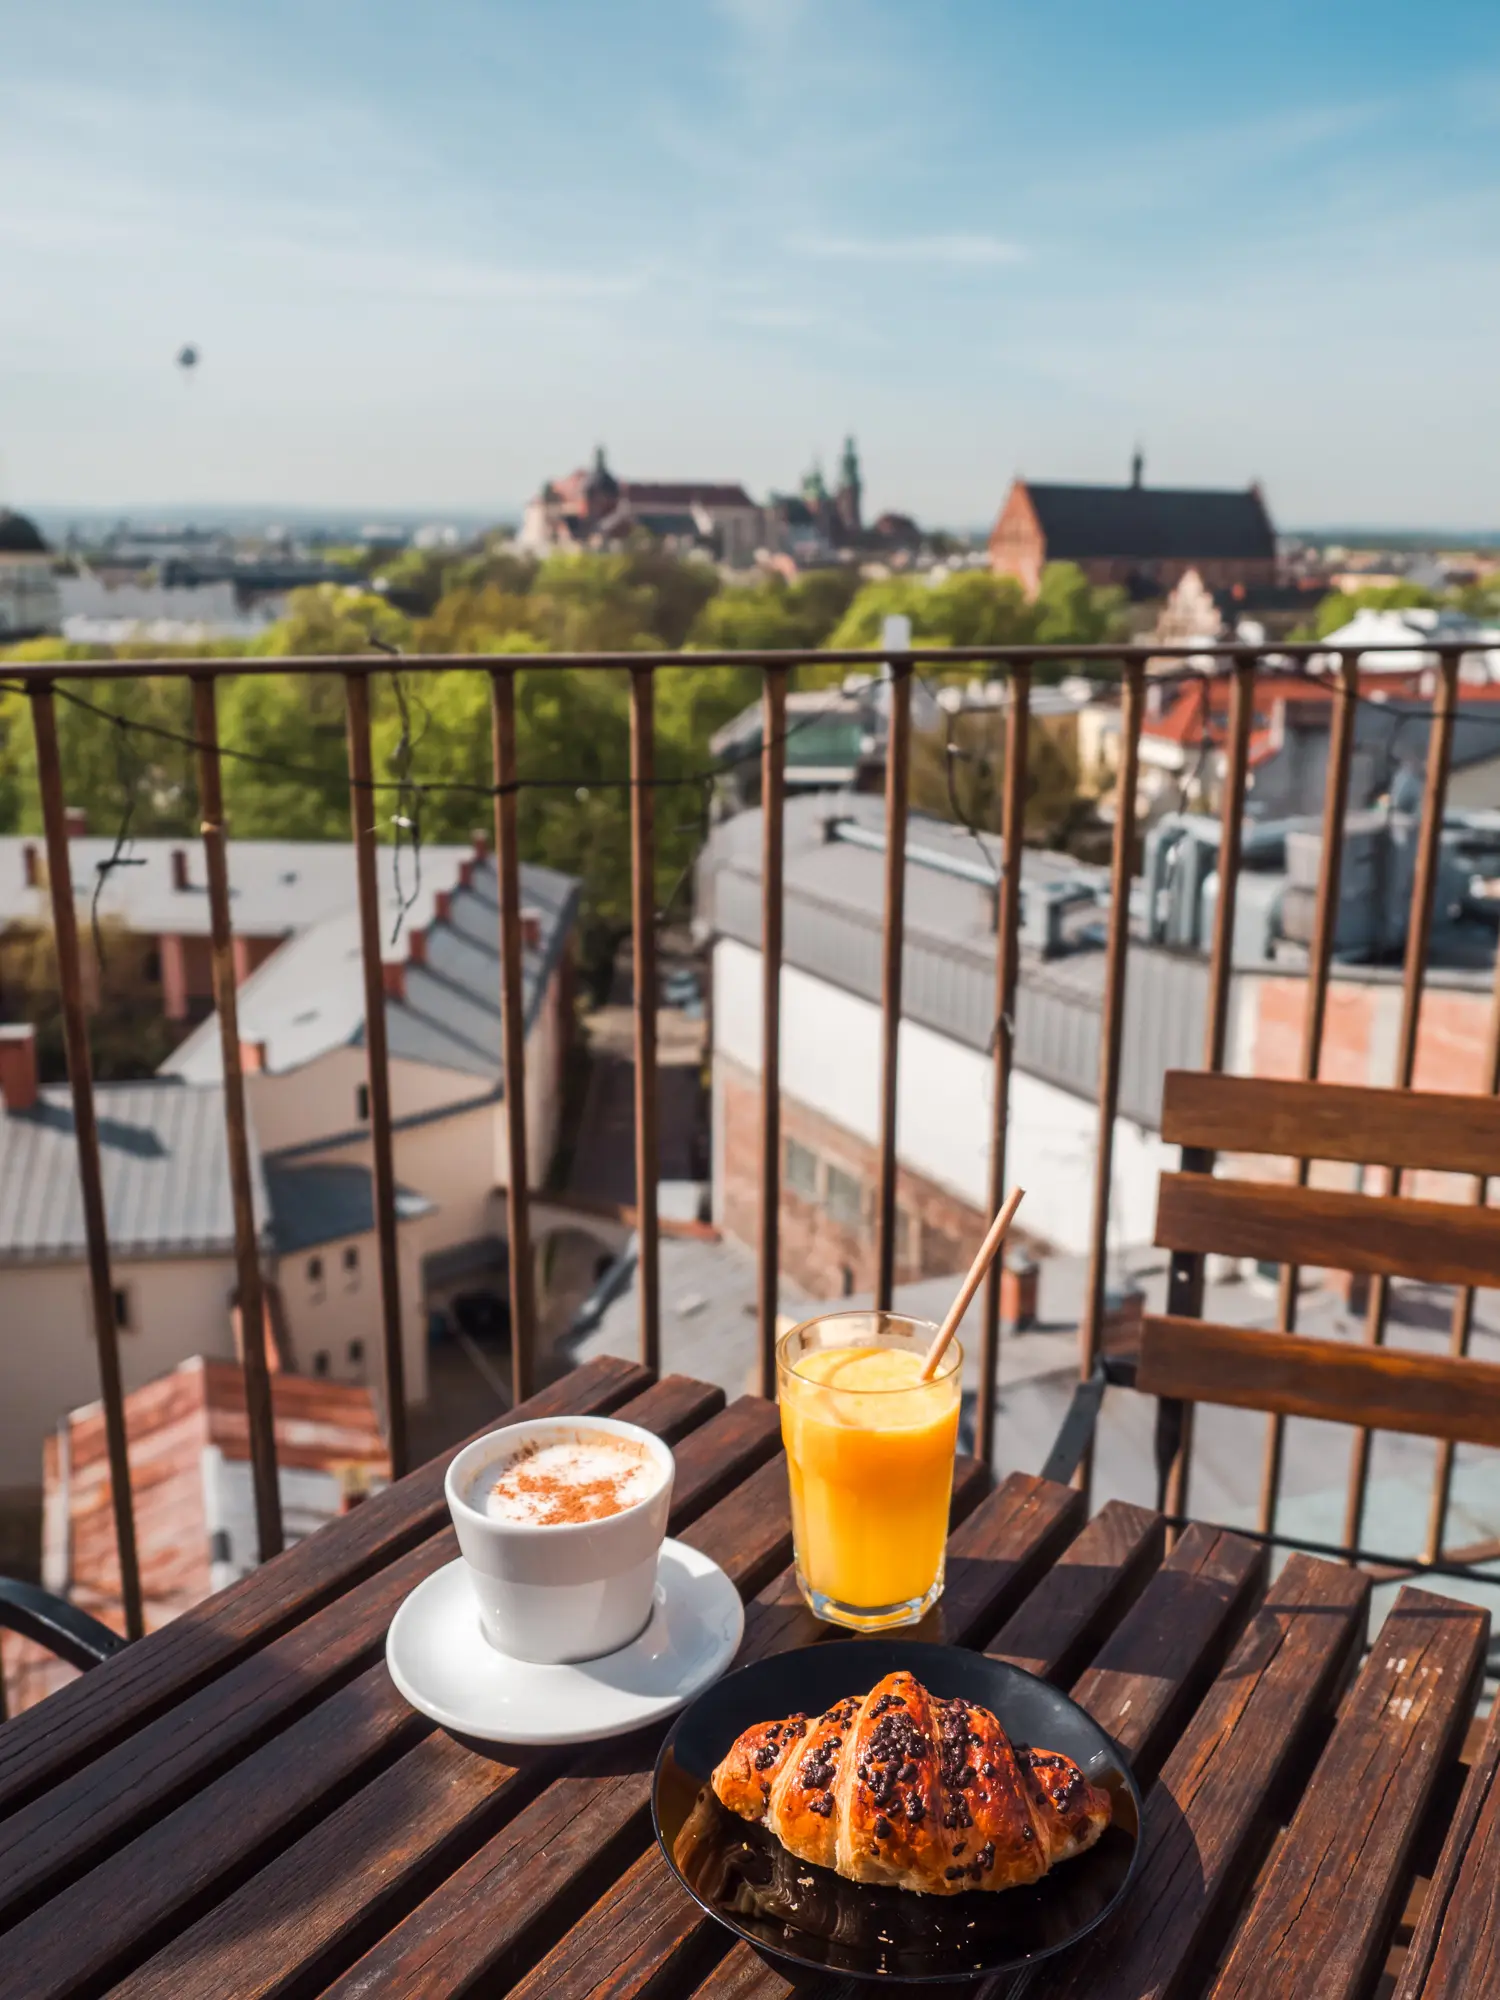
(241, 1805)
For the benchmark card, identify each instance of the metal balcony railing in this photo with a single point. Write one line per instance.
(1238, 665)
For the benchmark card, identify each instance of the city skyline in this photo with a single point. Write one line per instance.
(428, 263)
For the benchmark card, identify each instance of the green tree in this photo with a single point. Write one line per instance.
(120, 763)
(334, 618)
(677, 590)
(1339, 606)
(128, 1034)
(748, 617)
(290, 778)
(477, 618)
(1070, 611)
(592, 604)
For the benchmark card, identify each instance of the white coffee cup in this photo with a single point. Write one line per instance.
(573, 1590)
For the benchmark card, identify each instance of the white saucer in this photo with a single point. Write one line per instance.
(443, 1664)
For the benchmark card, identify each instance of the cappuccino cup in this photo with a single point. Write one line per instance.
(560, 1522)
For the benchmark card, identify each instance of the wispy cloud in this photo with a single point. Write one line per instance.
(956, 249)
(777, 319)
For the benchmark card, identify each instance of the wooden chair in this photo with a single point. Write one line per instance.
(1185, 1359)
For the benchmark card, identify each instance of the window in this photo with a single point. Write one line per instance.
(845, 1198)
(351, 1257)
(356, 1353)
(320, 1362)
(362, 1104)
(315, 1270)
(122, 1308)
(801, 1170)
(908, 1237)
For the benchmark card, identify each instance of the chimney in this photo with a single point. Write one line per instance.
(393, 977)
(481, 844)
(31, 865)
(442, 906)
(252, 1057)
(416, 947)
(180, 868)
(531, 929)
(1138, 468)
(466, 869)
(18, 1083)
(76, 820)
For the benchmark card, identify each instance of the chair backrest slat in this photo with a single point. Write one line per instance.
(1381, 1388)
(1439, 1242)
(1444, 1130)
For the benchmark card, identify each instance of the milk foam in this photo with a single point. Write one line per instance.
(575, 1479)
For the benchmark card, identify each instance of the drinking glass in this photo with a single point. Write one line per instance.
(870, 1459)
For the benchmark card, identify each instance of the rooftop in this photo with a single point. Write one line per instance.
(443, 981)
(327, 1201)
(275, 886)
(1151, 523)
(165, 1167)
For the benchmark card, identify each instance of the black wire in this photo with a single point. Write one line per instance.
(1403, 711)
(705, 774)
(128, 780)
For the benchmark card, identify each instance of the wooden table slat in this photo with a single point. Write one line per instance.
(658, 1944)
(1204, 1817)
(1326, 1908)
(1156, 1664)
(516, 1892)
(1082, 1597)
(1455, 1948)
(226, 1827)
(61, 1734)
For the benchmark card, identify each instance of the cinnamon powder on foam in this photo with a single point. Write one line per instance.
(546, 1497)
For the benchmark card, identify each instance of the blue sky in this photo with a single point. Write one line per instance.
(432, 254)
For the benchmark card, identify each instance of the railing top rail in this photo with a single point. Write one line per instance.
(1107, 653)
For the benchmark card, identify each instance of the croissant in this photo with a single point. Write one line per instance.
(905, 1789)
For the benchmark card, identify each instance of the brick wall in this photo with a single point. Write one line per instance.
(822, 1251)
(1359, 1047)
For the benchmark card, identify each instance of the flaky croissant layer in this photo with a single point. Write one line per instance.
(906, 1789)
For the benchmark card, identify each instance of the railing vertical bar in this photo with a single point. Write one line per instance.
(897, 765)
(1461, 1325)
(86, 1133)
(258, 1404)
(1315, 1010)
(362, 813)
(643, 920)
(513, 1040)
(773, 829)
(1187, 1297)
(1112, 1021)
(1419, 931)
(1007, 971)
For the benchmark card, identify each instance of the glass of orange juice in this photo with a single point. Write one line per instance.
(870, 1458)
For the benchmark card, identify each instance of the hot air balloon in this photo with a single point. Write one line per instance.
(187, 361)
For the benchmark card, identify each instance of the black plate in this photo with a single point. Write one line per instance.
(746, 1879)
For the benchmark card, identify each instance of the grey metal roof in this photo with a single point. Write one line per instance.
(323, 1202)
(166, 1174)
(309, 997)
(835, 900)
(275, 886)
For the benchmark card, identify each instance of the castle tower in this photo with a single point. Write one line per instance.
(850, 488)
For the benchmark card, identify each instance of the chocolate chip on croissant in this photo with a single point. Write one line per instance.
(909, 1790)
